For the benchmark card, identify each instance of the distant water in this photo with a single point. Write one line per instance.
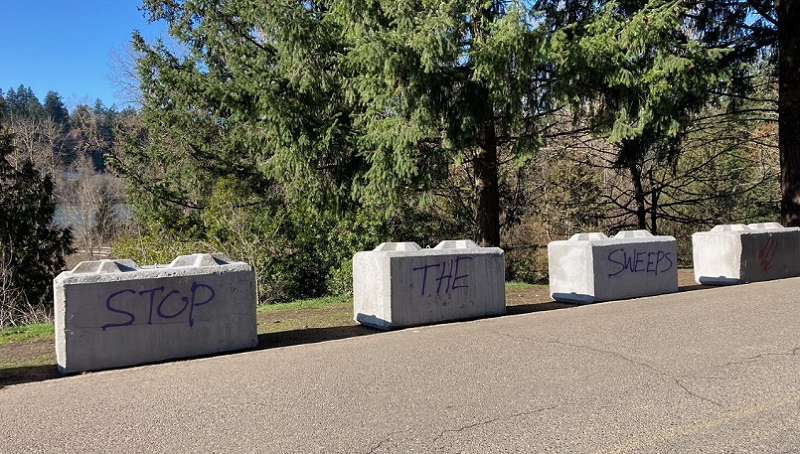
(70, 216)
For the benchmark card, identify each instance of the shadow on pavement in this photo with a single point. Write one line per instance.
(17, 375)
(537, 307)
(690, 288)
(312, 336)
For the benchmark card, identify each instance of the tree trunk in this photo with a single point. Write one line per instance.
(638, 196)
(789, 109)
(486, 165)
(653, 204)
(488, 194)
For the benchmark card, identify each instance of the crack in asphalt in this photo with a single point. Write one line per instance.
(795, 352)
(611, 353)
(490, 421)
(694, 394)
(658, 372)
(380, 444)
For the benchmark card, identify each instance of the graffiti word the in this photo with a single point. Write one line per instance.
(639, 261)
(446, 277)
(159, 303)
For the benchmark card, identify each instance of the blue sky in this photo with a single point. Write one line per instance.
(66, 46)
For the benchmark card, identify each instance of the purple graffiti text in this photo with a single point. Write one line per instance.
(652, 262)
(446, 275)
(157, 303)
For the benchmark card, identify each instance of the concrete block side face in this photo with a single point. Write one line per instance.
(769, 254)
(433, 288)
(372, 289)
(570, 268)
(133, 321)
(633, 269)
(717, 257)
(60, 315)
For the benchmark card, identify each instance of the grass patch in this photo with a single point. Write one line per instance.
(304, 314)
(46, 359)
(326, 302)
(521, 285)
(38, 331)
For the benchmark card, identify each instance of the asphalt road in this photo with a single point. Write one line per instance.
(714, 370)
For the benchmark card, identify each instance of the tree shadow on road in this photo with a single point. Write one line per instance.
(29, 374)
(537, 307)
(315, 335)
(312, 336)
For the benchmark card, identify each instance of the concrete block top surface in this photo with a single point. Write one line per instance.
(457, 244)
(591, 236)
(201, 260)
(105, 266)
(446, 247)
(119, 270)
(633, 234)
(730, 228)
(624, 236)
(742, 229)
(401, 246)
(767, 226)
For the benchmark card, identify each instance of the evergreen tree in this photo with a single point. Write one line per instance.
(28, 237)
(634, 70)
(22, 102)
(756, 31)
(444, 83)
(54, 109)
(347, 102)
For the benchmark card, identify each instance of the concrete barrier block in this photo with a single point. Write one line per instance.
(113, 313)
(590, 267)
(736, 254)
(406, 286)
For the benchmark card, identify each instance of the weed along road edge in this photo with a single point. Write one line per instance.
(717, 369)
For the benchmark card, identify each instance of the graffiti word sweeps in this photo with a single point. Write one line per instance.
(158, 303)
(654, 262)
(448, 276)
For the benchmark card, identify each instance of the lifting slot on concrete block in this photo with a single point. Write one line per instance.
(404, 246)
(200, 260)
(105, 266)
(457, 244)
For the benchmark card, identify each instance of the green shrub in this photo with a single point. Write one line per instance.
(32, 248)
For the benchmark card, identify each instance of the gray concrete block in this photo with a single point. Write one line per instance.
(113, 313)
(590, 267)
(735, 253)
(404, 285)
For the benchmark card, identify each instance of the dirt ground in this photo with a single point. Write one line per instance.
(22, 362)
